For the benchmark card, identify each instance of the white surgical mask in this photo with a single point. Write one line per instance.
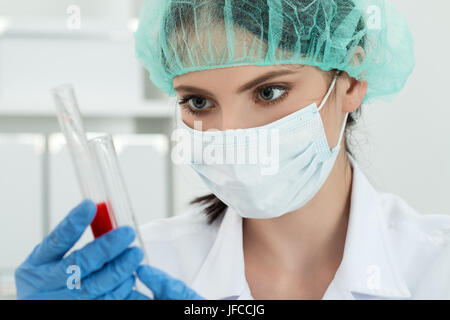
(266, 190)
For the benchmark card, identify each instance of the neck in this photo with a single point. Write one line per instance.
(310, 238)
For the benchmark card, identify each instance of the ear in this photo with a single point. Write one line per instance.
(355, 91)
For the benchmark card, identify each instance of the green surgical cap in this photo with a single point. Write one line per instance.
(368, 39)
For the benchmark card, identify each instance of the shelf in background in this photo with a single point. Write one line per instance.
(147, 109)
(57, 29)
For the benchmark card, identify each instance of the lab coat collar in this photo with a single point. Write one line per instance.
(367, 266)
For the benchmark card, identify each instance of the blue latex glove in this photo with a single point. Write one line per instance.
(163, 286)
(106, 264)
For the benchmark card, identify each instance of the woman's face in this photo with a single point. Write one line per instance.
(249, 96)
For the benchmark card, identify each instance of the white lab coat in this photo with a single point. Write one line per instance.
(391, 251)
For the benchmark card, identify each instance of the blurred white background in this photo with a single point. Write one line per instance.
(403, 146)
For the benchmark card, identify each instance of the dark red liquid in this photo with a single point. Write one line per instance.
(102, 222)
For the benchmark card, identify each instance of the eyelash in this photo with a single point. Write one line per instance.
(183, 102)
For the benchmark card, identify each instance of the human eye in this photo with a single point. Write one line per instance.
(271, 94)
(194, 104)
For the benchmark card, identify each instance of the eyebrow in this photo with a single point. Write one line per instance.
(244, 87)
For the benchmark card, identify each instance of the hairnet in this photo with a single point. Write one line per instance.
(368, 39)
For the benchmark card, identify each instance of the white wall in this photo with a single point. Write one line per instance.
(406, 144)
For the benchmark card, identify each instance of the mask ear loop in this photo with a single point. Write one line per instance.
(329, 92)
(341, 135)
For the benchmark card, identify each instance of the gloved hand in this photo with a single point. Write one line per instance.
(106, 264)
(163, 286)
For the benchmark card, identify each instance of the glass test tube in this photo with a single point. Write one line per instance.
(118, 200)
(96, 168)
(69, 118)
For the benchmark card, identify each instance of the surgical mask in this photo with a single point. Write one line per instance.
(303, 162)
